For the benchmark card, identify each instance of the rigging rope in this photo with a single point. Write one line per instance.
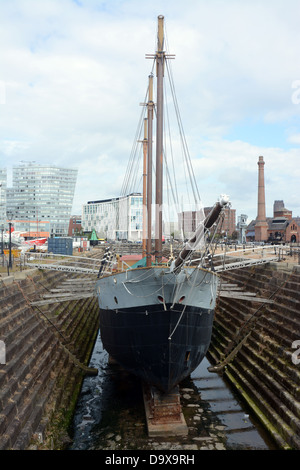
(132, 170)
(183, 139)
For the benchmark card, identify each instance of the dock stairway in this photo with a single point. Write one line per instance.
(46, 351)
(253, 347)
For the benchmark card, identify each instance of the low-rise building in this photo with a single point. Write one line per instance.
(74, 225)
(189, 220)
(282, 227)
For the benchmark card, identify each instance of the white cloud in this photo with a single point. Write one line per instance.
(294, 139)
(75, 74)
(232, 169)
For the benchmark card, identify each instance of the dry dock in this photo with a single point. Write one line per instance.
(48, 348)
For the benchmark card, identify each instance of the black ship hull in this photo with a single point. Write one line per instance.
(157, 324)
(162, 347)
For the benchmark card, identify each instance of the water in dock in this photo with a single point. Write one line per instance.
(110, 413)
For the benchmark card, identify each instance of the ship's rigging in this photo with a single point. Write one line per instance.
(156, 317)
(179, 177)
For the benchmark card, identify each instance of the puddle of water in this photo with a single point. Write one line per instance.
(110, 413)
(243, 441)
(242, 430)
(92, 401)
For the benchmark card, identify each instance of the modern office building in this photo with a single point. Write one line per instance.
(41, 198)
(115, 219)
(130, 218)
(102, 216)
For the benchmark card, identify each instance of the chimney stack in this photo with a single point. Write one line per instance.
(261, 225)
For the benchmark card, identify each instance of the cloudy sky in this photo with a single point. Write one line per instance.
(73, 75)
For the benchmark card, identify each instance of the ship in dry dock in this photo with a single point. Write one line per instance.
(156, 320)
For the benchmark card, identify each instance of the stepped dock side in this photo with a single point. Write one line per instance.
(47, 352)
(253, 345)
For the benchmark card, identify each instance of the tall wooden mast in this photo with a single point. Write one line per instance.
(160, 58)
(150, 107)
(145, 149)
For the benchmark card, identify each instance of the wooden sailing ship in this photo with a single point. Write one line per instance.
(156, 321)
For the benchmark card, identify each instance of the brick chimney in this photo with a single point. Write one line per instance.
(261, 225)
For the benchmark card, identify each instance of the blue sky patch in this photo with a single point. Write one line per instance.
(260, 134)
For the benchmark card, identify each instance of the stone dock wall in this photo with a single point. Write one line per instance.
(47, 349)
(255, 346)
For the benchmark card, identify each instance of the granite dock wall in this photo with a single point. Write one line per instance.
(256, 347)
(47, 349)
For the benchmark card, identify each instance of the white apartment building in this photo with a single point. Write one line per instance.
(41, 198)
(101, 216)
(115, 219)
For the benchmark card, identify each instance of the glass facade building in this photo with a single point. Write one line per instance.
(41, 198)
(115, 219)
(102, 216)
